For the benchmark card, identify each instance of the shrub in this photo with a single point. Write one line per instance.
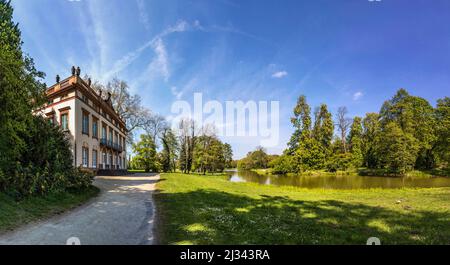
(339, 162)
(282, 165)
(45, 165)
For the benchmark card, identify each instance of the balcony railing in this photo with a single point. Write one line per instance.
(111, 144)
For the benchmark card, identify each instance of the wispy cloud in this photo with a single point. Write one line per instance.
(160, 64)
(159, 48)
(143, 16)
(279, 74)
(176, 93)
(357, 95)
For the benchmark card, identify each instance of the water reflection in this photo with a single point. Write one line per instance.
(339, 182)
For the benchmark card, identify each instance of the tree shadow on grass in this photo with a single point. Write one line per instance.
(216, 217)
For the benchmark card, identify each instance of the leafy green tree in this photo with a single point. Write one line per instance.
(415, 116)
(283, 164)
(259, 157)
(208, 154)
(255, 160)
(217, 163)
(21, 91)
(227, 155)
(202, 157)
(146, 156)
(310, 155)
(397, 150)
(323, 127)
(339, 161)
(35, 156)
(301, 122)
(355, 141)
(371, 130)
(169, 152)
(442, 145)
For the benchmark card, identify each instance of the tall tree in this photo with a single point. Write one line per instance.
(21, 91)
(343, 124)
(397, 150)
(355, 141)
(227, 155)
(127, 105)
(301, 122)
(415, 116)
(255, 159)
(187, 137)
(145, 151)
(442, 144)
(155, 125)
(371, 130)
(169, 151)
(323, 127)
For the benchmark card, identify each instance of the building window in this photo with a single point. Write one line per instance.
(65, 121)
(110, 160)
(104, 132)
(85, 156)
(94, 158)
(85, 125)
(51, 119)
(84, 98)
(95, 129)
(104, 159)
(110, 135)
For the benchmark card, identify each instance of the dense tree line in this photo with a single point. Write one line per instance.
(256, 159)
(35, 156)
(407, 133)
(189, 149)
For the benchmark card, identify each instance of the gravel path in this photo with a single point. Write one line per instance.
(122, 214)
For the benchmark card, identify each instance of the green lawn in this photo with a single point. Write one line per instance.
(136, 170)
(15, 213)
(196, 209)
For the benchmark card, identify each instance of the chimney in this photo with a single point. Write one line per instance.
(89, 81)
(109, 96)
(100, 92)
(73, 70)
(57, 78)
(78, 71)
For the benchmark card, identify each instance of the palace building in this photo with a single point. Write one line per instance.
(97, 133)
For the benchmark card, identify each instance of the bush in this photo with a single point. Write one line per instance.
(45, 165)
(339, 162)
(282, 165)
(80, 179)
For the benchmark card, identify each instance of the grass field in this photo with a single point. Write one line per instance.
(195, 209)
(15, 213)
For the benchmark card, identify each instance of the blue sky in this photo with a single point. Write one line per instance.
(353, 53)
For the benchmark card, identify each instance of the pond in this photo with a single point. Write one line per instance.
(339, 182)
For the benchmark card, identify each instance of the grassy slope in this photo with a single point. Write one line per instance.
(14, 214)
(211, 210)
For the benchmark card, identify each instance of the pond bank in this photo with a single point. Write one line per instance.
(363, 172)
(339, 181)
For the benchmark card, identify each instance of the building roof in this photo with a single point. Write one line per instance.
(99, 98)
